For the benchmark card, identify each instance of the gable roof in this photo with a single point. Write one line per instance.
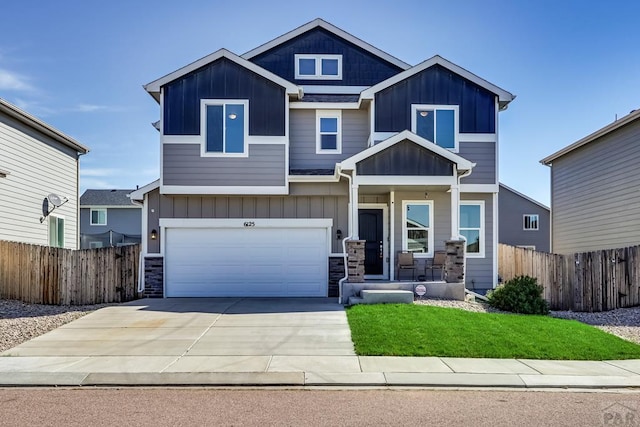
(332, 29)
(106, 198)
(504, 97)
(462, 163)
(140, 192)
(154, 87)
(629, 118)
(517, 193)
(40, 126)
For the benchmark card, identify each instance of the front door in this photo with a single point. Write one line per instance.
(371, 230)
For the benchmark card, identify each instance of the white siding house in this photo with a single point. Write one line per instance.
(37, 160)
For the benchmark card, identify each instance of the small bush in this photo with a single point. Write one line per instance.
(519, 295)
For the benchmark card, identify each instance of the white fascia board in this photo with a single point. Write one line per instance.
(332, 29)
(228, 190)
(333, 90)
(154, 86)
(132, 206)
(503, 96)
(313, 178)
(391, 180)
(461, 162)
(629, 118)
(244, 223)
(324, 105)
(478, 188)
(140, 192)
(517, 193)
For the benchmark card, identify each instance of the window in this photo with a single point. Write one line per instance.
(329, 132)
(531, 247)
(98, 217)
(95, 245)
(224, 126)
(56, 231)
(417, 227)
(436, 123)
(472, 227)
(530, 222)
(318, 67)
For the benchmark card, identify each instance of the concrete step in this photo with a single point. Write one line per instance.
(355, 300)
(381, 296)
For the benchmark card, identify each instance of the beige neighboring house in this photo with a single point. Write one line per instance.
(39, 169)
(595, 189)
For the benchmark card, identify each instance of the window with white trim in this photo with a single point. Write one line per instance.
(95, 245)
(224, 126)
(318, 67)
(472, 227)
(417, 227)
(436, 123)
(530, 222)
(328, 132)
(56, 231)
(98, 217)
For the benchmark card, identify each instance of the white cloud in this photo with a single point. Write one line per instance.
(91, 108)
(99, 172)
(95, 183)
(14, 81)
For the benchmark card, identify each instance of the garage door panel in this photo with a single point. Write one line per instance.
(246, 262)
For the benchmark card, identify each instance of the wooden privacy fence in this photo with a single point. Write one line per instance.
(589, 281)
(45, 275)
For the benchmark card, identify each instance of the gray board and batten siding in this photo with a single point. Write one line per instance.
(595, 194)
(182, 164)
(512, 207)
(304, 201)
(223, 79)
(437, 86)
(359, 67)
(38, 165)
(405, 158)
(302, 135)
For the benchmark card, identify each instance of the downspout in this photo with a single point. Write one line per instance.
(141, 257)
(344, 241)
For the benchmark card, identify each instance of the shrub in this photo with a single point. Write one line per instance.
(519, 295)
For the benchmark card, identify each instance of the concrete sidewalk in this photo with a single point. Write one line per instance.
(293, 342)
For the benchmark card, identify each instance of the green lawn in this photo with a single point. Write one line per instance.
(418, 330)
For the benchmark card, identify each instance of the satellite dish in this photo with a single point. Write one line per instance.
(55, 200)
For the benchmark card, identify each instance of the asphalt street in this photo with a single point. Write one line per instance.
(303, 407)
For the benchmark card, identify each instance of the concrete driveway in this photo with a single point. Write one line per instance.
(196, 335)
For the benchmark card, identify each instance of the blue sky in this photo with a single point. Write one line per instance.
(80, 65)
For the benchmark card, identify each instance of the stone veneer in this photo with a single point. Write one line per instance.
(336, 272)
(153, 277)
(355, 260)
(454, 262)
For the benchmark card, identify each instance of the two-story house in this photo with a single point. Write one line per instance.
(524, 222)
(271, 159)
(109, 218)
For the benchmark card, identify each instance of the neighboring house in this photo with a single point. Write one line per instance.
(270, 159)
(595, 189)
(523, 221)
(109, 218)
(36, 161)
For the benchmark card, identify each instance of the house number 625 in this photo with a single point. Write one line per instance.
(249, 224)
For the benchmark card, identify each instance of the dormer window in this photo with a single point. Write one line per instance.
(436, 123)
(318, 67)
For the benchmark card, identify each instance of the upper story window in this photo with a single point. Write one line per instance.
(318, 67)
(530, 221)
(437, 123)
(224, 126)
(417, 227)
(472, 227)
(98, 217)
(328, 132)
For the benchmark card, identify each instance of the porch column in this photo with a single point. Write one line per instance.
(455, 211)
(354, 211)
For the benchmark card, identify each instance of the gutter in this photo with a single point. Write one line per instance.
(344, 241)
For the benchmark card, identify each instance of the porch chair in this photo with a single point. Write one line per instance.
(437, 264)
(405, 261)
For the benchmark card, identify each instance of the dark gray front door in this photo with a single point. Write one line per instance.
(370, 229)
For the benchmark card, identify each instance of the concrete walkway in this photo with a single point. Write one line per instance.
(232, 341)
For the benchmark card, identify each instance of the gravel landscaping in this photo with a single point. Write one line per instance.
(19, 322)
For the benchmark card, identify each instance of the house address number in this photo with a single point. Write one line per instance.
(249, 224)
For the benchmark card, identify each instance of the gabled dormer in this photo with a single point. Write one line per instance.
(325, 59)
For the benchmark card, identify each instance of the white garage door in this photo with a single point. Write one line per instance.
(226, 262)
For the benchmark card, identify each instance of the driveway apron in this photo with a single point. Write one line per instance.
(196, 335)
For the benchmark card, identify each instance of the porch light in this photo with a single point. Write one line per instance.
(338, 234)
(154, 234)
